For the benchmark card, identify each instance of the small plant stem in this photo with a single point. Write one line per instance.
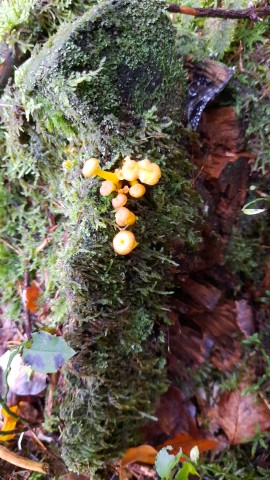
(18, 251)
(27, 319)
(250, 13)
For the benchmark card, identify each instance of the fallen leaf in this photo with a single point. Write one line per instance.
(186, 442)
(22, 380)
(8, 424)
(143, 454)
(30, 296)
(46, 353)
(240, 416)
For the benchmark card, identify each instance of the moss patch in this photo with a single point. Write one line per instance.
(101, 88)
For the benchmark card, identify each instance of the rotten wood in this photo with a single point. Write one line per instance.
(251, 13)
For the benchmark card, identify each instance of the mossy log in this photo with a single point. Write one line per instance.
(110, 84)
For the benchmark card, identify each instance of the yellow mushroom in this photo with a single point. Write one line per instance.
(91, 167)
(107, 187)
(125, 189)
(137, 190)
(119, 201)
(67, 165)
(124, 242)
(130, 169)
(149, 173)
(124, 217)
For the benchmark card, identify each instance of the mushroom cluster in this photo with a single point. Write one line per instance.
(124, 181)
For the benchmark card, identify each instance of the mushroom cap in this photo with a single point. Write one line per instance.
(124, 217)
(130, 169)
(119, 201)
(149, 173)
(137, 190)
(124, 242)
(90, 167)
(106, 188)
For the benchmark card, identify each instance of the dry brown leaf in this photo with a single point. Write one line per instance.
(30, 296)
(240, 416)
(186, 442)
(143, 454)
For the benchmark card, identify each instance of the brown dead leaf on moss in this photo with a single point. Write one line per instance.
(240, 417)
(143, 453)
(186, 442)
(30, 297)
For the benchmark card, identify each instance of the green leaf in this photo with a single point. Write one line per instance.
(47, 352)
(184, 472)
(165, 463)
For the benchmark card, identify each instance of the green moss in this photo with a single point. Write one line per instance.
(101, 52)
(100, 87)
(251, 89)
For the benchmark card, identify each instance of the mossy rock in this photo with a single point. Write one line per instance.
(111, 84)
(118, 59)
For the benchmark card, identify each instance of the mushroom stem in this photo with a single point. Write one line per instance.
(107, 175)
(91, 167)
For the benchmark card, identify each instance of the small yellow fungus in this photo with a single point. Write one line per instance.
(91, 167)
(149, 173)
(124, 217)
(119, 201)
(130, 169)
(124, 242)
(107, 187)
(67, 165)
(125, 189)
(137, 190)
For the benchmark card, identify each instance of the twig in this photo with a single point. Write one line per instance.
(27, 320)
(22, 462)
(16, 250)
(250, 13)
